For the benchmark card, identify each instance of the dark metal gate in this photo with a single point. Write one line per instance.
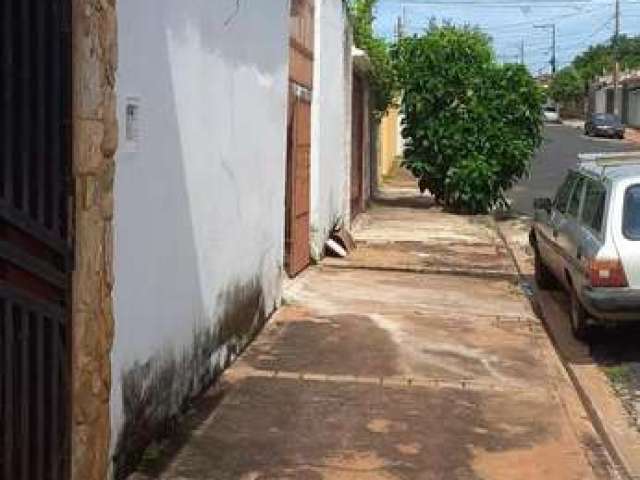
(35, 251)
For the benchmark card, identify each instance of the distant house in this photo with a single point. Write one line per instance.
(391, 143)
(625, 100)
(165, 165)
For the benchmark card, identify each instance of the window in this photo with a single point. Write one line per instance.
(562, 198)
(576, 196)
(631, 215)
(593, 210)
(606, 119)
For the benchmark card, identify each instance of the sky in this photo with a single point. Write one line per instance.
(579, 23)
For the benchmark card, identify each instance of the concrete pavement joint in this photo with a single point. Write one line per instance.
(474, 273)
(388, 381)
(496, 320)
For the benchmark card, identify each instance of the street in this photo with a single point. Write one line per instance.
(559, 152)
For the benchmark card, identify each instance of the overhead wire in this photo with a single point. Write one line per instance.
(536, 44)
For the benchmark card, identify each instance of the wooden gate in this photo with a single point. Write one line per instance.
(35, 251)
(297, 221)
(357, 145)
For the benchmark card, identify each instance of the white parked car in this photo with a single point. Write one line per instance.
(587, 239)
(551, 113)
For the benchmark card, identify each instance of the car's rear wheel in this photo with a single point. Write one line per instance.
(544, 276)
(579, 318)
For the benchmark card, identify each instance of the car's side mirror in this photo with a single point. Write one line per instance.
(543, 203)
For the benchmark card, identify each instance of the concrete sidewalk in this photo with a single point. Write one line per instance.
(372, 372)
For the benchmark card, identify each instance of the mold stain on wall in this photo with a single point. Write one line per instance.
(156, 393)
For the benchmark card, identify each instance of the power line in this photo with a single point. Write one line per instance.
(510, 3)
(598, 29)
(530, 23)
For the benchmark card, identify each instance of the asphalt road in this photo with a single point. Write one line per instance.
(558, 153)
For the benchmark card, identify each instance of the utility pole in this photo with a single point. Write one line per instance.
(616, 61)
(522, 52)
(404, 15)
(399, 28)
(552, 27)
(553, 58)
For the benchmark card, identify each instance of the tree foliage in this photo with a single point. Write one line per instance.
(599, 59)
(567, 86)
(470, 125)
(382, 75)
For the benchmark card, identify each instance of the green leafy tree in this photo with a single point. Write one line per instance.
(471, 126)
(629, 52)
(382, 74)
(567, 86)
(599, 59)
(595, 61)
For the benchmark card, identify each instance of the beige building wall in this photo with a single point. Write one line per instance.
(389, 142)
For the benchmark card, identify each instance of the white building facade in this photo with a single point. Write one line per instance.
(199, 196)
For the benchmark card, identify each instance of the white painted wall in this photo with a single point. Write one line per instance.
(199, 201)
(601, 101)
(634, 108)
(330, 151)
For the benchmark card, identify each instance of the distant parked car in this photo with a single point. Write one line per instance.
(588, 240)
(604, 125)
(551, 113)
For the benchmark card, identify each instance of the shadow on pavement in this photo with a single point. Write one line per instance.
(608, 346)
(405, 202)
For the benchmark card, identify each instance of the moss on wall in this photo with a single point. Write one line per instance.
(156, 393)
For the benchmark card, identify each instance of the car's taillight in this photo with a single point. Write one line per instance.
(607, 273)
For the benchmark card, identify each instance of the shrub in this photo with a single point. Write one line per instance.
(382, 74)
(470, 126)
(567, 86)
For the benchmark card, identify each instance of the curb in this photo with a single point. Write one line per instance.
(618, 458)
(596, 419)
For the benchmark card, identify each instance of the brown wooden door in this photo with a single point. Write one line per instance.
(357, 145)
(297, 220)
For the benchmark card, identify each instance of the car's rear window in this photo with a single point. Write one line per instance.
(631, 215)
(562, 198)
(594, 202)
(606, 119)
(576, 196)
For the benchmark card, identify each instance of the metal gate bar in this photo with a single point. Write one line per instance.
(35, 253)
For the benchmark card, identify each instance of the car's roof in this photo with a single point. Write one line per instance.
(616, 166)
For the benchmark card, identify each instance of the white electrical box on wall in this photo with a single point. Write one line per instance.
(132, 124)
